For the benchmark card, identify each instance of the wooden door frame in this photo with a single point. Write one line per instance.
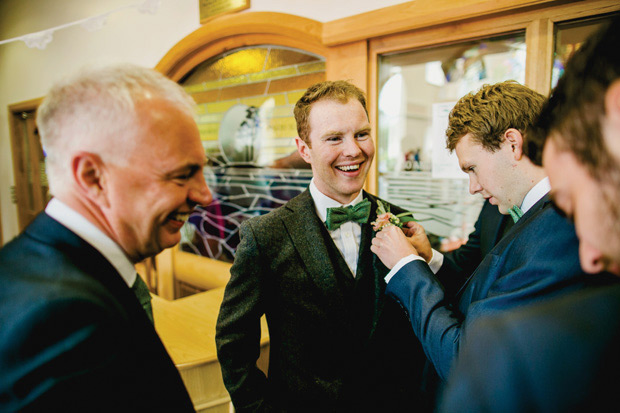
(14, 110)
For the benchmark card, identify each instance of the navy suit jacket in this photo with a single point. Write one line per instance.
(459, 264)
(331, 349)
(73, 336)
(559, 356)
(537, 259)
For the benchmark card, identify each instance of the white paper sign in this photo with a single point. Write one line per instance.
(445, 164)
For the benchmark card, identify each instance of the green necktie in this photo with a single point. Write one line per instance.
(355, 213)
(515, 213)
(144, 296)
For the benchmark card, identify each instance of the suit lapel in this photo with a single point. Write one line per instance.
(532, 212)
(307, 234)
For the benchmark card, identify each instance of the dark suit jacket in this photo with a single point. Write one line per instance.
(459, 264)
(328, 352)
(73, 336)
(537, 259)
(559, 356)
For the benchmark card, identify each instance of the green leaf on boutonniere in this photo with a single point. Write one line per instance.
(385, 218)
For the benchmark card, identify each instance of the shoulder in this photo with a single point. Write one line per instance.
(297, 206)
(547, 225)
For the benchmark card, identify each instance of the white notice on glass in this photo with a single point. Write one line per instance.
(445, 164)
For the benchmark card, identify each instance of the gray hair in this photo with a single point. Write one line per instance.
(95, 111)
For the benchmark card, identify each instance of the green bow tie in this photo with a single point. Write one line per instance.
(141, 291)
(516, 213)
(355, 213)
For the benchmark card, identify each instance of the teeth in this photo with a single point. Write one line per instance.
(349, 167)
(180, 216)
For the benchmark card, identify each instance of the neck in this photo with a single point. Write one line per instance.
(90, 210)
(531, 175)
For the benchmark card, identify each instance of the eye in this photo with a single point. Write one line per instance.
(363, 135)
(334, 139)
(185, 175)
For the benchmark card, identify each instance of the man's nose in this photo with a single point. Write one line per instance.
(592, 260)
(199, 192)
(351, 147)
(474, 186)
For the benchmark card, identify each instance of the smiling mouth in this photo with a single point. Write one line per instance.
(179, 216)
(348, 168)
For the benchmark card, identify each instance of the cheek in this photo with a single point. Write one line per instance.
(369, 148)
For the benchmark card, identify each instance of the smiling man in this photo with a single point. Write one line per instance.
(124, 164)
(336, 342)
(562, 355)
(536, 259)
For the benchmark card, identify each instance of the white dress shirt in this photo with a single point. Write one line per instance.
(94, 236)
(534, 195)
(348, 236)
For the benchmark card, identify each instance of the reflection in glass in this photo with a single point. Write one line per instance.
(416, 91)
(568, 38)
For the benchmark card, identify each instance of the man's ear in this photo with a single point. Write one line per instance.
(612, 102)
(89, 176)
(514, 138)
(303, 149)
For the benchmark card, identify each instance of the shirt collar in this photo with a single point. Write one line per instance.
(322, 201)
(535, 194)
(94, 236)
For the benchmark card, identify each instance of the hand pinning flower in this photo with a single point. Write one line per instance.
(385, 218)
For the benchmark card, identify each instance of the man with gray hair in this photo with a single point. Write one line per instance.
(124, 163)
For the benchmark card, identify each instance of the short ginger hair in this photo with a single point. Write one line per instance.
(491, 111)
(338, 90)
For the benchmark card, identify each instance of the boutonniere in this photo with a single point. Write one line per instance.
(385, 218)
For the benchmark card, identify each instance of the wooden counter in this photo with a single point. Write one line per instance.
(187, 328)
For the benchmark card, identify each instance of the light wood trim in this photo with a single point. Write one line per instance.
(417, 14)
(14, 110)
(26, 105)
(201, 272)
(539, 58)
(244, 29)
(164, 263)
(348, 62)
(372, 181)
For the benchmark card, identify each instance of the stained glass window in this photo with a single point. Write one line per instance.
(245, 101)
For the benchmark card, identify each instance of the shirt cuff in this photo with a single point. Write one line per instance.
(400, 264)
(436, 261)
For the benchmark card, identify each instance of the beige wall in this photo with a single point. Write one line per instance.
(128, 36)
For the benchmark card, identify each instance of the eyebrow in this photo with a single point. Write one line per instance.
(339, 133)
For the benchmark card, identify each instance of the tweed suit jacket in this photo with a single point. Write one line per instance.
(537, 259)
(328, 352)
(562, 355)
(73, 336)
